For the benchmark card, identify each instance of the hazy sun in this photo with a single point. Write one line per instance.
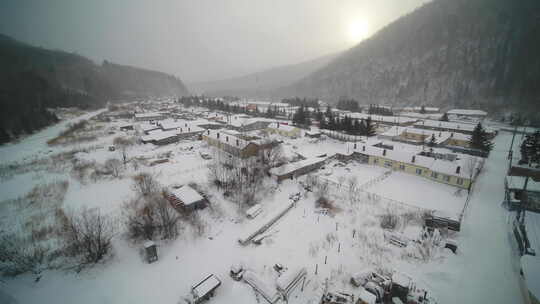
(357, 31)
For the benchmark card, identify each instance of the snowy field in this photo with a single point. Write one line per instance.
(332, 243)
(422, 193)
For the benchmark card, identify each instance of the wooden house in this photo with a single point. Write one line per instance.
(186, 198)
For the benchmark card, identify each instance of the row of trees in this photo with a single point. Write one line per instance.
(348, 105)
(298, 102)
(379, 110)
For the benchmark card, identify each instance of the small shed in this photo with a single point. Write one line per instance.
(150, 250)
(187, 199)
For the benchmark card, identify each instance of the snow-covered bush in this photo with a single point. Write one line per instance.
(18, 256)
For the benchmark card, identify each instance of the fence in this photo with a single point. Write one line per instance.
(339, 188)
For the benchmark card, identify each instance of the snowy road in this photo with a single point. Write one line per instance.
(486, 269)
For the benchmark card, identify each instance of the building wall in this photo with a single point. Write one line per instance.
(457, 142)
(248, 151)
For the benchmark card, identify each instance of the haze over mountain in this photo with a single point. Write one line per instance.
(261, 83)
(463, 53)
(33, 79)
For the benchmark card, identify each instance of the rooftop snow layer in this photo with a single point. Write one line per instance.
(187, 195)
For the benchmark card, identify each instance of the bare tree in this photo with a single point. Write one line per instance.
(145, 184)
(114, 166)
(88, 235)
(150, 216)
(272, 156)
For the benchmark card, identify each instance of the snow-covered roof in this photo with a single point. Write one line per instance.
(517, 183)
(467, 112)
(437, 165)
(159, 135)
(206, 286)
(187, 195)
(445, 125)
(291, 167)
(145, 127)
(229, 137)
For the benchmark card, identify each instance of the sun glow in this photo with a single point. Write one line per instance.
(357, 31)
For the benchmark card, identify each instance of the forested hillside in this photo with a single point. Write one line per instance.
(33, 79)
(449, 53)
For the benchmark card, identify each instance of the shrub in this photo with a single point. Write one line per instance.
(389, 221)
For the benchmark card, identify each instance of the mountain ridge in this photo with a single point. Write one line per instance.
(445, 53)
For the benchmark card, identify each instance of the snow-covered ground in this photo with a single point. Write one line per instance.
(349, 238)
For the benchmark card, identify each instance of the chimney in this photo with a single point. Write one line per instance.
(227, 138)
(413, 158)
(355, 146)
(237, 142)
(440, 133)
(364, 148)
(452, 134)
(189, 129)
(180, 130)
(458, 168)
(217, 135)
(384, 152)
(186, 124)
(208, 132)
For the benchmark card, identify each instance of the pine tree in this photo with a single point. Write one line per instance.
(480, 139)
(369, 127)
(432, 141)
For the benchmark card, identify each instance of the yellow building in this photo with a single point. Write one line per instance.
(452, 173)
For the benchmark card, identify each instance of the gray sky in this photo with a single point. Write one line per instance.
(199, 40)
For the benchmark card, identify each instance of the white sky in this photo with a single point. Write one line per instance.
(199, 40)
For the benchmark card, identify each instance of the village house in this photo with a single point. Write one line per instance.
(283, 130)
(457, 173)
(465, 128)
(459, 114)
(234, 143)
(296, 169)
(186, 198)
(158, 137)
(417, 136)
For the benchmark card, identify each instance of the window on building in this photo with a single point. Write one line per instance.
(460, 181)
(401, 167)
(419, 171)
(434, 174)
(446, 178)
